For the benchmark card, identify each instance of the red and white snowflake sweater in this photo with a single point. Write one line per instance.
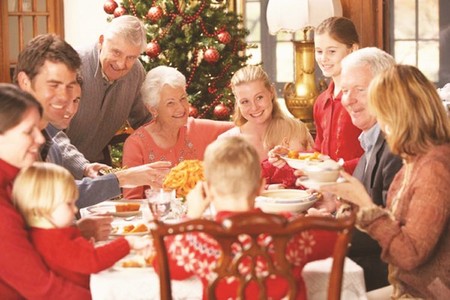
(196, 254)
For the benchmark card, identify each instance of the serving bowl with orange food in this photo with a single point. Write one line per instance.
(318, 168)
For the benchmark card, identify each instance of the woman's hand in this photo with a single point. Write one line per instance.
(153, 173)
(352, 190)
(274, 156)
(197, 200)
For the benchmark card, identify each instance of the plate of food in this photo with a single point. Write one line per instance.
(300, 160)
(119, 209)
(130, 229)
(285, 200)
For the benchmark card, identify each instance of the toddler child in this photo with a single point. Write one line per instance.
(289, 133)
(45, 194)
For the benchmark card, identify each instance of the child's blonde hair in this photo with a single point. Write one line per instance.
(289, 128)
(232, 167)
(39, 188)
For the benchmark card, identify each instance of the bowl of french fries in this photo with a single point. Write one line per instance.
(184, 176)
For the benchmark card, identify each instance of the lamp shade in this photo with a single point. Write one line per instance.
(293, 15)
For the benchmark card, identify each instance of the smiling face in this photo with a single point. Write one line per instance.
(57, 89)
(329, 53)
(117, 56)
(355, 82)
(173, 108)
(20, 144)
(254, 101)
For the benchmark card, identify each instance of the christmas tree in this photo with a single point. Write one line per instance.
(201, 38)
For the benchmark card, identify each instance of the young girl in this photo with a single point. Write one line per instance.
(336, 136)
(291, 134)
(45, 194)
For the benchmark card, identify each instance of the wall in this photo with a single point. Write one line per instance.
(84, 20)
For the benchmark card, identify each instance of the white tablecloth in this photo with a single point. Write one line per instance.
(143, 283)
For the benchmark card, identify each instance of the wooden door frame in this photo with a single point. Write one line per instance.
(55, 24)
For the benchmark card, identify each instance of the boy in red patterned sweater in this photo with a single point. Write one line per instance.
(233, 180)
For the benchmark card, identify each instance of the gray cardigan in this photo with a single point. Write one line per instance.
(104, 106)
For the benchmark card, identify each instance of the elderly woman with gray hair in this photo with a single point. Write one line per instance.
(171, 135)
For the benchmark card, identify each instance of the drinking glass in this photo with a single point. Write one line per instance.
(159, 201)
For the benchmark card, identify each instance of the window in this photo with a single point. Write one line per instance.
(420, 36)
(21, 20)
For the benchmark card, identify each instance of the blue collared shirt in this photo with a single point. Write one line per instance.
(368, 139)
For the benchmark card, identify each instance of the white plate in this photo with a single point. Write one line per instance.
(111, 209)
(300, 164)
(285, 196)
(118, 230)
(316, 185)
(275, 201)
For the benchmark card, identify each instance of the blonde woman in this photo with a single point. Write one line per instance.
(413, 228)
(45, 194)
(255, 106)
(293, 135)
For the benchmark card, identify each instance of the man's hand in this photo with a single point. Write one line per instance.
(97, 227)
(91, 170)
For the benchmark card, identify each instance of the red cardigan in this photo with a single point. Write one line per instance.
(197, 254)
(23, 274)
(73, 257)
(336, 136)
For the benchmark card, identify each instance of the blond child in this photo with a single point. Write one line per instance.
(289, 133)
(45, 194)
(233, 181)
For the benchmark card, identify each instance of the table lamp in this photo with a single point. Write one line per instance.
(301, 15)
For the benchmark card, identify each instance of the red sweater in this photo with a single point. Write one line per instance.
(284, 175)
(71, 256)
(23, 274)
(336, 136)
(197, 254)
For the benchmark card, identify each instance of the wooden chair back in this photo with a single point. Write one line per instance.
(253, 224)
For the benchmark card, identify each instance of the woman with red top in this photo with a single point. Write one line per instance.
(23, 273)
(233, 180)
(172, 135)
(336, 136)
(45, 194)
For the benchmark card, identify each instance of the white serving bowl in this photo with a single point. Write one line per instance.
(326, 171)
(300, 164)
(285, 200)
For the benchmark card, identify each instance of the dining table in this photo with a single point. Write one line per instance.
(141, 282)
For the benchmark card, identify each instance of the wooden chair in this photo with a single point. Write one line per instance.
(253, 225)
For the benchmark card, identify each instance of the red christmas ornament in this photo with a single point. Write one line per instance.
(153, 49)
(211, 55)
(224, 37)
(212, 90)
(154, 13)
(120, 11)
(193, 111)
(110, 6)
(221, 112)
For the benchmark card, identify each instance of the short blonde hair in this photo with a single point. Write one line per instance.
(232, 167)
(280, 128)
(247, 74)
(406, 102)
(39, 188)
